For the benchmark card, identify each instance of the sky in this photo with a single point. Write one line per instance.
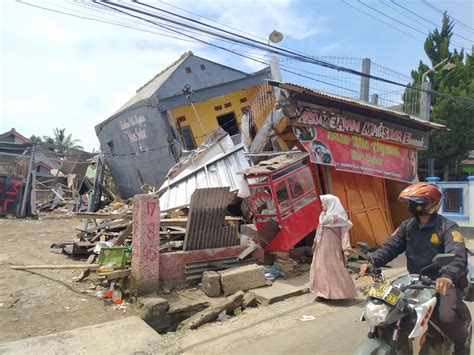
(59, 71)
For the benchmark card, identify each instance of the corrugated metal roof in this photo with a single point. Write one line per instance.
(359, 103)
(218, 167)
(275, 163)
(205, 228)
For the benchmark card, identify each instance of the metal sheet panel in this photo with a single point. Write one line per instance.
(220, 172)
(206, 221)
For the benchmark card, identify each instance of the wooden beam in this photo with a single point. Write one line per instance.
(49, 266)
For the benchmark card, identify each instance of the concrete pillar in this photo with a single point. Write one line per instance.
(145, 245)
(365, 81)
(470, 194)
(425, 100)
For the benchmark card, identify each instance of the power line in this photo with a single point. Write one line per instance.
(430, 22)
(400, 22)
(260, 46)
(471, 29)
(385, 23)
(424, 19)
(392, 18)
(98, 20)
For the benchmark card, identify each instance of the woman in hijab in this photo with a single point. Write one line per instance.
(329, 278)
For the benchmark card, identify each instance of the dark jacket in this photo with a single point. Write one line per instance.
(421, 244)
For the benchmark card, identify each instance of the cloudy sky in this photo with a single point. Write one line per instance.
(68, 72)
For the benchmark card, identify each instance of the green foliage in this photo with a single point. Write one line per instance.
(61, 142)
(448, 148)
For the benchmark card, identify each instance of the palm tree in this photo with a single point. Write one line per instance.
(62, 142)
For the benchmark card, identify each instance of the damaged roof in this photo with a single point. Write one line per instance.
(275, 163)
(358, 106)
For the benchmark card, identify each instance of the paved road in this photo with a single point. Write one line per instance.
(335, 333)
(278, 329)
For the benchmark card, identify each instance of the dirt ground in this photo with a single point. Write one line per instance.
(41, 302)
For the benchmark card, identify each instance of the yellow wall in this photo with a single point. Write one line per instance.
(208, 114)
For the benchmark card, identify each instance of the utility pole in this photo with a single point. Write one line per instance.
(425, 102)
(364, 80)
(188, 92)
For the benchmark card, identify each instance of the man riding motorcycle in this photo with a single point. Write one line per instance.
(421, 238)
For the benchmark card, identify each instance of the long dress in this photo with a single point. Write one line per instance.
(328, 276)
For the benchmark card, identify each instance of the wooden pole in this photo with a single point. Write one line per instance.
(49, 266)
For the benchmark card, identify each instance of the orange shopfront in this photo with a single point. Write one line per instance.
(362, 153)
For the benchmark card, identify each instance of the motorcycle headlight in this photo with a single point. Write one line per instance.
(375, 314)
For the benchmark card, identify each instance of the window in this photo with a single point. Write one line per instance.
(262, 200)
(229, 123)
(181, 119)
(111, 147)
(452, 200)
(227, 105)
(282, 195)
(243, 99)
(203, 67)
(188, 138)
(188, 70)
(218, 108)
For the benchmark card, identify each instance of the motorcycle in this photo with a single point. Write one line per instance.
(400, 315)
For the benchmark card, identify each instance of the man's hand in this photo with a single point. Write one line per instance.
(363, 269)
(443, 284)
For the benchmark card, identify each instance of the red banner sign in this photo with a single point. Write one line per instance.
(358, 154)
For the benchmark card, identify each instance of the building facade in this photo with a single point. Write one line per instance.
(147, 135)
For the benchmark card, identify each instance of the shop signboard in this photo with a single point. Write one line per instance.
(363, 126)
(358, 154)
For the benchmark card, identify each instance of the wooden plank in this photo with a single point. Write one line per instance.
(125, 234)
(96, 215)
(117, 274)
(49, 266)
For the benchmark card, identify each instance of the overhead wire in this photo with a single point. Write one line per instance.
(400, 22)
(469, 28)
(425, 19)
(273, 49)
(385, 23)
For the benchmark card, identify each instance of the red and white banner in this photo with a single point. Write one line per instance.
(358, 154)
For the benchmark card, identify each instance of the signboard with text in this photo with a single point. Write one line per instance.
(358, 154)
(363, 126)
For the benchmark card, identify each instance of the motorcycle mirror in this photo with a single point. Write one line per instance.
(443, 259)
(438, 261)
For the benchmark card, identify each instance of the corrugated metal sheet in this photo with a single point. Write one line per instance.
(217, 169)
(401, 115)
(206, 227)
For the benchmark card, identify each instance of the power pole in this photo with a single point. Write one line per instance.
(188, 92)
(364, 80)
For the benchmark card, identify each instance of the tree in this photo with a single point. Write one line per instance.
(62, 142)
(448, 148)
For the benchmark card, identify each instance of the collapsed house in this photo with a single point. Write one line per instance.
(148, 135)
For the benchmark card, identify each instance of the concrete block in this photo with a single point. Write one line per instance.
(250, 230)
(242, 278)
(211, 283)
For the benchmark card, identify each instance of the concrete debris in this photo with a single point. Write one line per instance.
(211, 314)
(242, 278)
(211, 283)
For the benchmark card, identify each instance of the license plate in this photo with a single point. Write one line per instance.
(384, 292)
